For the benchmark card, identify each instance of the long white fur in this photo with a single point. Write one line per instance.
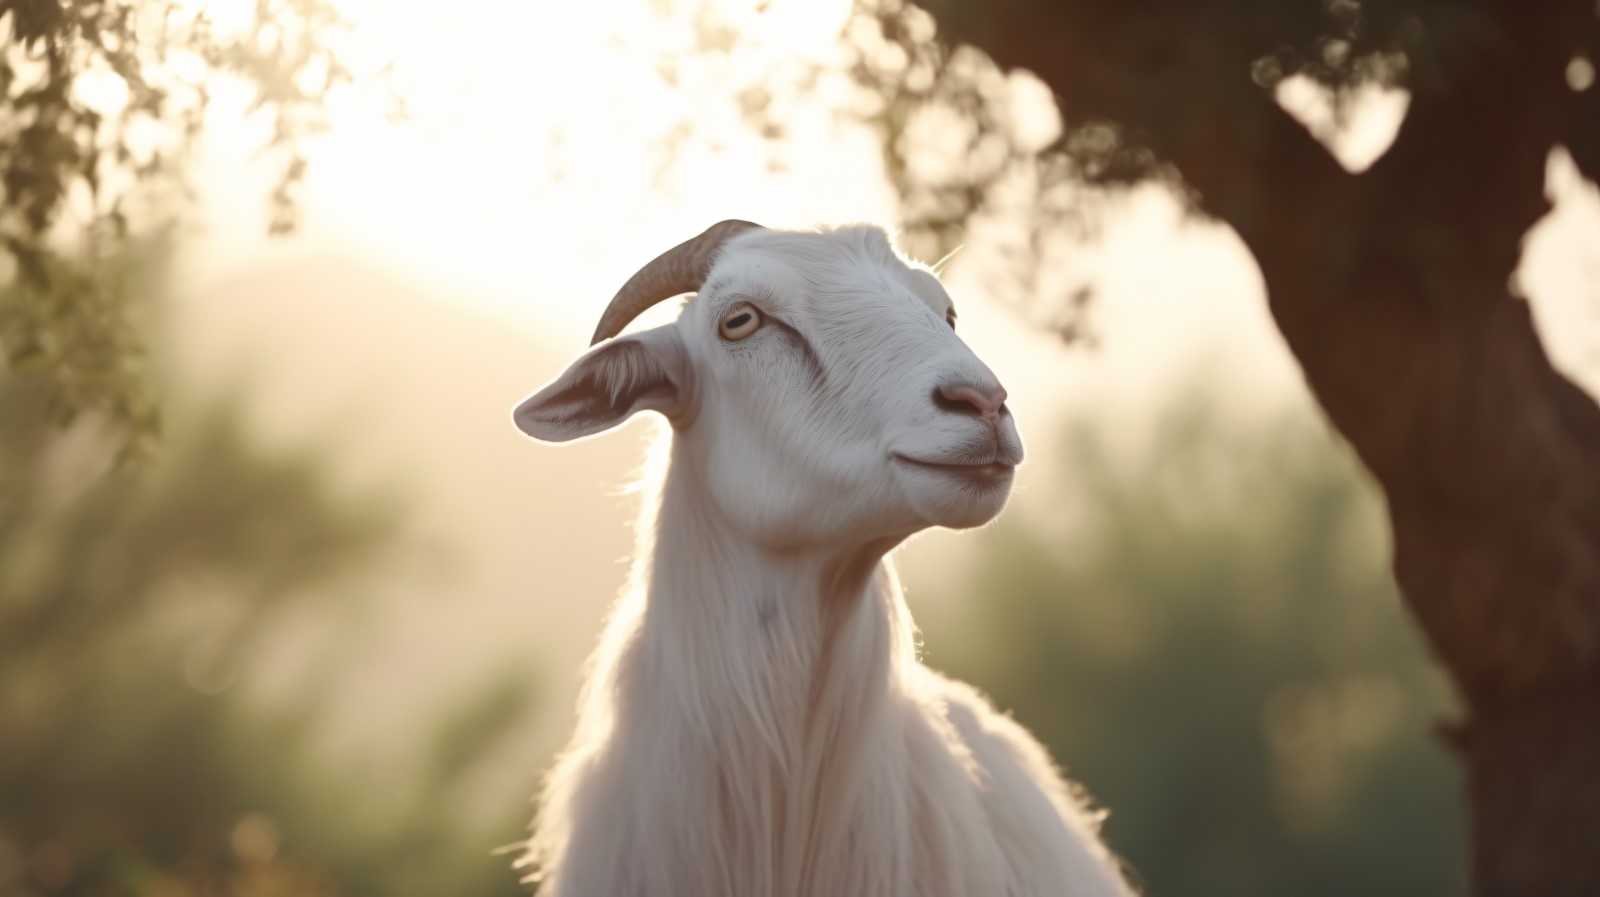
(755, 720)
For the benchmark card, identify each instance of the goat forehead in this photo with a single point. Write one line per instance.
(839, 277)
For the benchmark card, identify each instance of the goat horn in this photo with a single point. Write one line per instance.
(681, 269)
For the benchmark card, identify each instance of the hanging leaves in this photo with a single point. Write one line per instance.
(100, 103)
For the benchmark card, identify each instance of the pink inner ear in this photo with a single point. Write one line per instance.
(598, 393)
(587, 398)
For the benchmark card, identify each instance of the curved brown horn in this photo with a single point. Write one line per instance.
(681, 269)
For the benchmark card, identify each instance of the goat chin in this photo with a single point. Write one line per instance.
(793, 744)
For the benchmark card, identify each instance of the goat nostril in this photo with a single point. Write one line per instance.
(946, 402)
(970, 400)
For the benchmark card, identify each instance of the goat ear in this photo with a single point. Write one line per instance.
(607, 385)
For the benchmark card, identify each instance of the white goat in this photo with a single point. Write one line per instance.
(755, 720)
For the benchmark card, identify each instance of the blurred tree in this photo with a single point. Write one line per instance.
(1393, 287)
(134, 599)
(1202, 627)
(99, 100)
(134, 606)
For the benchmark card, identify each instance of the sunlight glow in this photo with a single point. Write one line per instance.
(547, 152)
(552, 131)
(1372, 119)
(1580, 73)
(102, 90)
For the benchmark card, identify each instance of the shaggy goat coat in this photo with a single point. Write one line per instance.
(793, 745)
(756, 722)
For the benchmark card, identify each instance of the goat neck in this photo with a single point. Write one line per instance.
(774, 664)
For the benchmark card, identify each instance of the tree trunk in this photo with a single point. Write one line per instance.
(1392, 289)
(1490, 462)
(1403, 319)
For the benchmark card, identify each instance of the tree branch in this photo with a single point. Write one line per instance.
(1469, 161)
(1250, 163)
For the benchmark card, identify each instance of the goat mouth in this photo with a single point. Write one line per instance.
(987, 472)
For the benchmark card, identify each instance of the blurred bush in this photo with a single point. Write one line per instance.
(134, 602)
(1204, 630)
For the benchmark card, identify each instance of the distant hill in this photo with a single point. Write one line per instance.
(404, 390)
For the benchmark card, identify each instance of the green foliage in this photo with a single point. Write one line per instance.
(961, 153)
(133, 604)
(1217, 651)
(1182, 94)
(99, 102)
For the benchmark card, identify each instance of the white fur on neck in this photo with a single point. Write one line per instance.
(757, 723)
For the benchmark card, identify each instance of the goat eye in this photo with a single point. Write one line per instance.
(743, 321)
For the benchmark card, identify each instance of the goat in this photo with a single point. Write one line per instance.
(755, 720)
